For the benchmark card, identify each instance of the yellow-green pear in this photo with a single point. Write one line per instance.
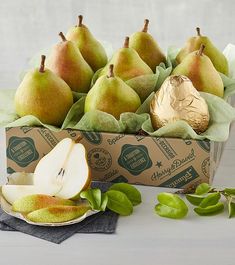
(217, 58)
(147, 47)
(44, 95)
(91, 49)
(127, 63)
(67, 62)
(200, 70)
(112, 95)
(57, 214)
(37, 201)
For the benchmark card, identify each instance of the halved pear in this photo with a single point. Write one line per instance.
(65, 166)
(14, 192)
(57, 214)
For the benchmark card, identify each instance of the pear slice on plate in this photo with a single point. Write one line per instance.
(57, 214)
(7, 208)
(35, 202)
(14, 192)
(20, 178)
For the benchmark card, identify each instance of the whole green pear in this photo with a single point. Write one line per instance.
(112, 95)
(217, 58)
(57, 214)
(200, 70)
(127, 63)
(91, 49)
(147, 47)
(67, 62)
(37, 201)
(44, 95)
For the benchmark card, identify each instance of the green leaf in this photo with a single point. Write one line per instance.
(210, 210)
(104, 201)
(171, 206)
(93, 196)
(203, 189)
(211, 199)
(194, 199)
(230, 192)
(231, 209)
(118, 202)
(131, 192)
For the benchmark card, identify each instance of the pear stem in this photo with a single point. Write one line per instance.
(80, 18)
(42, 66)
(62, 36)
(126, 43)
(146, 23)
(198, 31)
(110, 74)
(202, 47)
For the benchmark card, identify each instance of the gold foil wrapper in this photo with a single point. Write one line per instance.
(178, 99)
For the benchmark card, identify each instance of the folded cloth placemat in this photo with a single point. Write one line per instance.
(103, 222)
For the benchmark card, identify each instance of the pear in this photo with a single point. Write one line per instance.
(67, 62)
(217, 58)
(91, 49)
(177, 99)
(44, 95)
(37, 201)
(200, 70)
(112, 95)
(57, 214)
(65, 166)
(127, 63)
(147, 47)
(13, 193)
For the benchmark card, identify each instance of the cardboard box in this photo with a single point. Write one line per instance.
(165, 162)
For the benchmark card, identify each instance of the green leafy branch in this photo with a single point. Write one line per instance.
(120, 198)
(206, 199)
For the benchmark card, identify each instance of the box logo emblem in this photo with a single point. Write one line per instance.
(22, 151)
(93, 137)
(134, 158)
(99, 159)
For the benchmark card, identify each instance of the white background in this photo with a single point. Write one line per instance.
(27, 26)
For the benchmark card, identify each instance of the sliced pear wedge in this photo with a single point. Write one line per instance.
(34, 202)
(65, 166)
(14, 192)
(57, 214)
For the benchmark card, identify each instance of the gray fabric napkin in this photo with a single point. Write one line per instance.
(103, 222)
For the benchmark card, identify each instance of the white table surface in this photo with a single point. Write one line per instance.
(143, 238)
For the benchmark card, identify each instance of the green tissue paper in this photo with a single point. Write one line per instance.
(221, 113)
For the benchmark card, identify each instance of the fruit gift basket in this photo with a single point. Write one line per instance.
(144, 117)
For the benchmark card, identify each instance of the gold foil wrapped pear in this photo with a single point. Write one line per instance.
(178, 99)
